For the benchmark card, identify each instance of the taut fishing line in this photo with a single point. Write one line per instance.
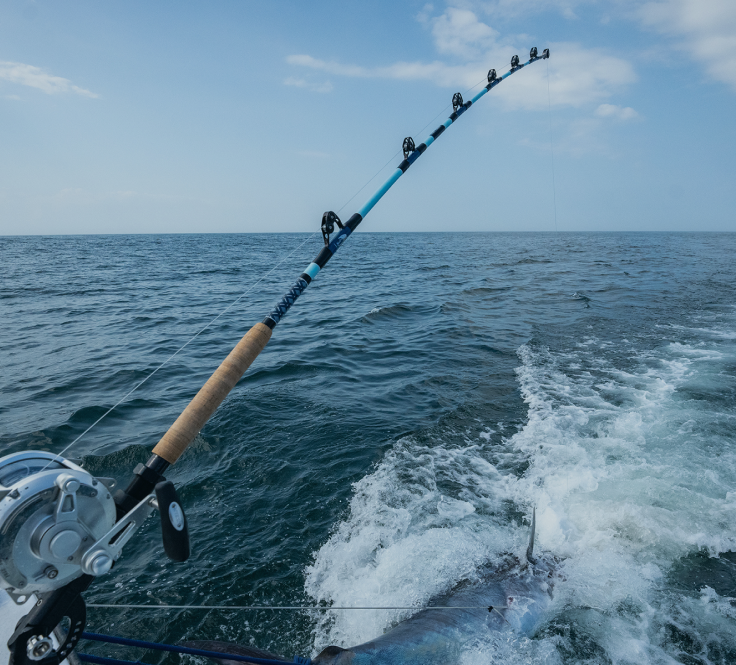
(179, 350)
(489, 608)
(551, 147)
(235, 302)
(398, 152)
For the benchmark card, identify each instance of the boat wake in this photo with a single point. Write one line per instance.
(632, 475)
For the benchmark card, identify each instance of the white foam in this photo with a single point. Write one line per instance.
(621, 471)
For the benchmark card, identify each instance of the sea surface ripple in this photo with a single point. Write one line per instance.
(414, 405)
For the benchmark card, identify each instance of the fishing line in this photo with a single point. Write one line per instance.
(489, 608)
(398, 152)
(394, 156)
(551, 147)
(179, 350)
(444, 110)
(229, 307)
(63, 598)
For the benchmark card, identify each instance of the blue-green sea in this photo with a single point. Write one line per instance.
(422, 396)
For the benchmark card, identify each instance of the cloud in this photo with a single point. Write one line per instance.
(511, 8)
(329, 67)
(34, 77)
(308, 85)
(578, 76)
(441, 73)
(459, 32)
(707, 31)
(617, 112)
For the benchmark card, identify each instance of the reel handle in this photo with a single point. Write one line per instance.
(174, 528)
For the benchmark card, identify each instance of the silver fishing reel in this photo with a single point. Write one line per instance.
(57, 522)
(59, 528)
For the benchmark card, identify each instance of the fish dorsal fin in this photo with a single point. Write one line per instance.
(530, 548)
(333, 654)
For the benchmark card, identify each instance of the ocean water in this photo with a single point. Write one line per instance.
(420, 398)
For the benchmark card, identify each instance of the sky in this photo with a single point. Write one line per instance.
(194, 117)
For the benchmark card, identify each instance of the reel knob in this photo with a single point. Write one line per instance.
(97, 563)
(38, 647)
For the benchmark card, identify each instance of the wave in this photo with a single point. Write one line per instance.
(398, 311)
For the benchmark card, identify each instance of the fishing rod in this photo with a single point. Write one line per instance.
(60, 527)
(195, 415)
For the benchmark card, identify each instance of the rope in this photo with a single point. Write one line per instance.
(110, 639)
(489, 608)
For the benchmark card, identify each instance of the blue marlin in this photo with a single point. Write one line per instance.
(509, 594)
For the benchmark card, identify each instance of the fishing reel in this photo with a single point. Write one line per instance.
(457, 101)
(54, 517)
(514, 61)
(59, 529)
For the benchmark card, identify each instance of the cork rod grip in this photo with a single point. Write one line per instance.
(206, 401)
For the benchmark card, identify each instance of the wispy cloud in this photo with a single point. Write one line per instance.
(581, 136)
(578, 76)
(35, 77)
(617, 112)
(467, 46)
(706, 30)
(326, 86)
(514, 8)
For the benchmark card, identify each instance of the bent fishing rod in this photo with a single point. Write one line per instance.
(60, 527)
(195, 415)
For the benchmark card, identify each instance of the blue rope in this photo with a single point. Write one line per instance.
(110, 639)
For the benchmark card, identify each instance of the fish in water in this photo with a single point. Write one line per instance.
(509, 593)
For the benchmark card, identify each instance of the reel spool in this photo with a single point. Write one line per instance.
(52, 515)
